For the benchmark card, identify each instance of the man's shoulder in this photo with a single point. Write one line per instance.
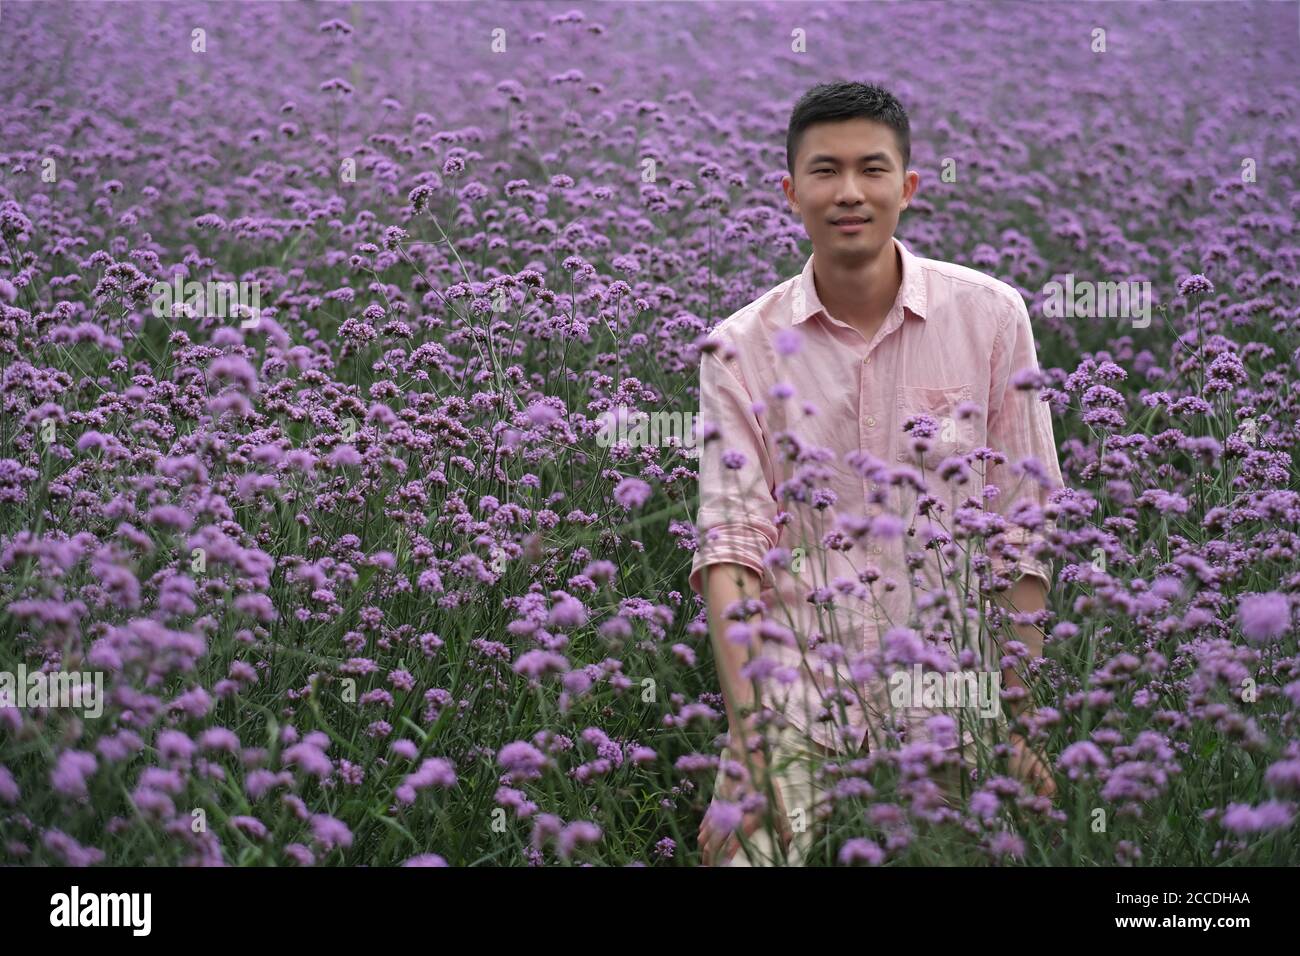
(970, 285)
(748, 321)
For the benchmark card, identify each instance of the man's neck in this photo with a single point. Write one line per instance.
(861, 294)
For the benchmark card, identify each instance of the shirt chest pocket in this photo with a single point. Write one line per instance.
(952, 436)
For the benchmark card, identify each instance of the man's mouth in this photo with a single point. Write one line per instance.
(851, 221)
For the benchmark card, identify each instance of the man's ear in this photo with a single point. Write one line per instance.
(908, 177)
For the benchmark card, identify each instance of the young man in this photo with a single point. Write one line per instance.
(810, 388)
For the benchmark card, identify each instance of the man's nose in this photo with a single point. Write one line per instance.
(850, 192)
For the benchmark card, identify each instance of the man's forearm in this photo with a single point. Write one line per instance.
(725, 584)
(1027, 595)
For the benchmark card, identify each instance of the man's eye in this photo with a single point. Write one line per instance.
(875, 169)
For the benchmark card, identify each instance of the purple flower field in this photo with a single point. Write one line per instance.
(313, 322)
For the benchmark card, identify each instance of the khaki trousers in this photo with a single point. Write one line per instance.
(791, 774)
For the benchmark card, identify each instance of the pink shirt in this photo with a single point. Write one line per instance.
(953, 343)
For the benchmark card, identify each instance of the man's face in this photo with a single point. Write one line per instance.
(849, 168)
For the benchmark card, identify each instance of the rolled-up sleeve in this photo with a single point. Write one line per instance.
(1020, 427)
(737, 504)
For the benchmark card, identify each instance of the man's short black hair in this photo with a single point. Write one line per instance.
(842, 100)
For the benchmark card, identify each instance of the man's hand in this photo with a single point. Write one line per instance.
(719, 846)
(1028, 765)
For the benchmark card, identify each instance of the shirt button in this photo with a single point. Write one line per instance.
(867, 360)
(871, 422)
(900, 456)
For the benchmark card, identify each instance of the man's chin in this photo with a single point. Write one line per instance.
(851, 248)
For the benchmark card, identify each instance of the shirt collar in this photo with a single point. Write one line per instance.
(911, 292)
